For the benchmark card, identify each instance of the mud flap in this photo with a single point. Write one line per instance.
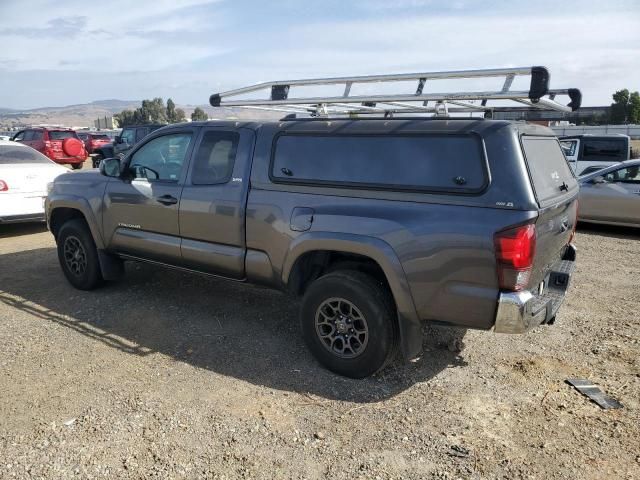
(112, 267)
(410, 337)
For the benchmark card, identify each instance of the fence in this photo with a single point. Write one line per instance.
(632, 130)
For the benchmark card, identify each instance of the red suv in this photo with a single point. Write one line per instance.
(59, 144)
(93, 140)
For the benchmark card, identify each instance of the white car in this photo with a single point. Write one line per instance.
(24, 176)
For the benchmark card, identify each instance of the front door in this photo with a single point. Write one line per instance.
(615, 200)
(141, 210)
(212, 207)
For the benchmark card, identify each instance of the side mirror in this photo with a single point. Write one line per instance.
(110, 167)
(598, 179)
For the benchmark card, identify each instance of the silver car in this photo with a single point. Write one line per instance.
(611, 195)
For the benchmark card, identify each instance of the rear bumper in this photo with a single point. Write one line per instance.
(69, 160)
(519, 312)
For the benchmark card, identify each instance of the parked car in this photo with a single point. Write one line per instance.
(24, 176)
(128, 138)
(93, 141)
(5, 137)
(59, 144)
(376, 224)
(588, 153)
(612, 195)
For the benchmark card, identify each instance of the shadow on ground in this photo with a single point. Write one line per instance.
(241, 331)
(610, 231)
(16, 229)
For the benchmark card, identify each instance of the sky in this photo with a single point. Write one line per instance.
(65, 52)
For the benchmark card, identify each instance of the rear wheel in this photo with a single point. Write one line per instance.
(349, 323)
(76, 166)
(78, 255)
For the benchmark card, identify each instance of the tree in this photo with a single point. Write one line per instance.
(199, 115)
(625, 107)
(174, 115)
(151, 111)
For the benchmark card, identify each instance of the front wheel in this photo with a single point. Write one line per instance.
(349, 323)
(78, 255)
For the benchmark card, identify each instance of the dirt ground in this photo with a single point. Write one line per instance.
(165, 375)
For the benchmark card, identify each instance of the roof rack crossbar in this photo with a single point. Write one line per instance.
(538, 97)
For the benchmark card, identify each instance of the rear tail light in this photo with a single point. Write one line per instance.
(3, 186)
(515, 250)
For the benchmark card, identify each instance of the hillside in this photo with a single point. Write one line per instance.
(83, 115)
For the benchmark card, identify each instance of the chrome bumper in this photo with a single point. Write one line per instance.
(521, 311)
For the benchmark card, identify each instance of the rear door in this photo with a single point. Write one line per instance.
(28, 138)
(556, 190)
(37, 141)
(212, 207)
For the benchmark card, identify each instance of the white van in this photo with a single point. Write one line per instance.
(588, 153)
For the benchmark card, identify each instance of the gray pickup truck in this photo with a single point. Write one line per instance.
(376, 224)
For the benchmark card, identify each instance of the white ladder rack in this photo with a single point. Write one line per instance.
(538, 97)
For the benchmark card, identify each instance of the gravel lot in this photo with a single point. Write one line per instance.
(173, 376)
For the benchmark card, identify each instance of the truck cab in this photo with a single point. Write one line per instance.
(589, 153)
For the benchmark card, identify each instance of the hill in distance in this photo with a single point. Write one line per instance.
(83, 115)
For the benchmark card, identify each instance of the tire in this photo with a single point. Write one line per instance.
(76, 166)
(96, 159)
(78, 255)
(340, 304)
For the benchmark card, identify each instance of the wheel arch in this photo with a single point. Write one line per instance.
(60, 210)
(313, 253)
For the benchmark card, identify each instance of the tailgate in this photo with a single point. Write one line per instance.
(556, 190)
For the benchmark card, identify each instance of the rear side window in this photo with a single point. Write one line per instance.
(37, 135)
(10, 155)
(61, 134)
(429, 162)
(605, 150)
(215, 158)
(550, 172)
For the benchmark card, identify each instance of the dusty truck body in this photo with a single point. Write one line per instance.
(376, 224)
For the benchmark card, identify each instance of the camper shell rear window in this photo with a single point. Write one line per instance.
(550, 172)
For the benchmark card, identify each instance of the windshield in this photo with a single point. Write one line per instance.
(61, 134)
(10, 155)
(569, 147)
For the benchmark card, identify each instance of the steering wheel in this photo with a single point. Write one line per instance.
(173, 168)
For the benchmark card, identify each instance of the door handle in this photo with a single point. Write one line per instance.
(167, 200)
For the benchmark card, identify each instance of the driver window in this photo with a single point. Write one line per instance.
(624, 175)
(161, 159)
